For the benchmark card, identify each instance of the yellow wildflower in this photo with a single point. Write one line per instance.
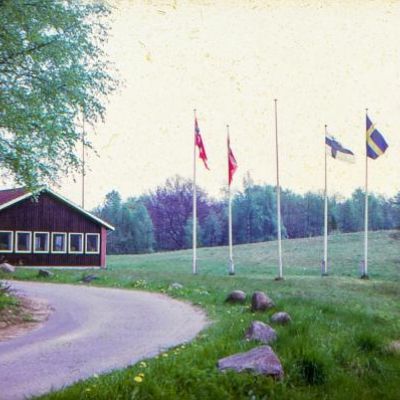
(138, 379)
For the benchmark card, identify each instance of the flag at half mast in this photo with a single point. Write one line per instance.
(199, 143)
(336, 150)
(232, 163)
(376, 143)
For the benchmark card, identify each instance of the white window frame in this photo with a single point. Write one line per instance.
(12, 242)
(65, 243)
(30, 242)
(98, 243)
(69, 243)
(34, 243)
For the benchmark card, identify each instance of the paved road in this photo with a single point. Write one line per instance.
(92, 330)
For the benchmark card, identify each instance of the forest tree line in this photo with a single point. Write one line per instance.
(162, 219)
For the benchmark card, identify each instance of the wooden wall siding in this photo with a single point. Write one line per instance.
(48, 214)
(103, 247)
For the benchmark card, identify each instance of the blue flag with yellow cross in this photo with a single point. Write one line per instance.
(376, 143)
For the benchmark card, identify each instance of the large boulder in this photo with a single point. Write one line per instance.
(261, 360)
(261, 332)
(261, 302)
(281, 318)
(8, 268)
(237, 296)
(43, 273)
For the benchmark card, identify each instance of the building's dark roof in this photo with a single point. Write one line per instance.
(12, 196)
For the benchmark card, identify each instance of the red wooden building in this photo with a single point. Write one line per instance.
(49, 231)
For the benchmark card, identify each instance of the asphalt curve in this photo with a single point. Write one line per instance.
(92, 330)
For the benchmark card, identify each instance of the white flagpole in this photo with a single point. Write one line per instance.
(83, 161)
(231, 267)
(278, 196)
(325, 262)
(364, 272)
(194, 267)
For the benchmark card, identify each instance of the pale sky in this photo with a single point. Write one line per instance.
(325, 62)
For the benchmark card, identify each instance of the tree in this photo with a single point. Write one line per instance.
(212, 230)
(294, 214)
(163, 219)
(332, 214)
(375, 213)
(189, 233)
(170, 207)
(111, 208)
(110, 211)
(133, 226)
(348, 222)
(358, 203)
(141, 227)
(395, 205)
(254, 214)
(315, 214)
(53, 70)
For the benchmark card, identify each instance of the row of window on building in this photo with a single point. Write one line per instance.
(46, 242)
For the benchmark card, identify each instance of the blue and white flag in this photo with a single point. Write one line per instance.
(336, 150)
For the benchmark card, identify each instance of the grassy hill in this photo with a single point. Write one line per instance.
(335, 348)
(301, 257)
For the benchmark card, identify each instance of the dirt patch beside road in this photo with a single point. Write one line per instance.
(27, 315)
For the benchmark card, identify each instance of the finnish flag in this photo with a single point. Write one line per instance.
(336, 150)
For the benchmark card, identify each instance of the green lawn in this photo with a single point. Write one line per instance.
(10, 308)
(335, 348)
(7, 302)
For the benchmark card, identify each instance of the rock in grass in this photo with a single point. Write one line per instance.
(7, 268)
(43, 273)
(261, 332)
(175, 286)
(394, 347)
(89, 278)
(261, 360)
(237, 296)
(260, 302)
(281, 318)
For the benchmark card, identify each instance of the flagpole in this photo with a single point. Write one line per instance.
(278, 196)
(364, 271)
(83, 161)
(325, 262)
(194, 266)
(231, 267)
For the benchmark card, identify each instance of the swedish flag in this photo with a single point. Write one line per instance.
(376, 144)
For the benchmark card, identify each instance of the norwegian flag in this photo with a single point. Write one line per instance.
(232, 163)
(199, 143)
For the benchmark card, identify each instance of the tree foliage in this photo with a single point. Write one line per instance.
(170, 207)
(134, 228)
(53, 69)
(162, 219)
(254, 212)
